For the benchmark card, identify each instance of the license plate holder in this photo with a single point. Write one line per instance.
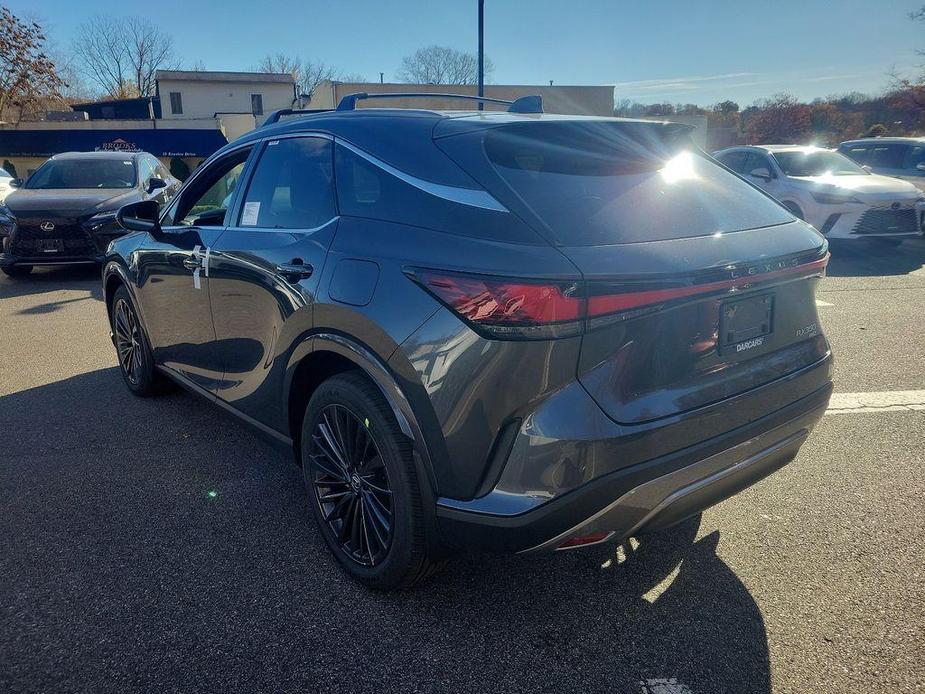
(744, 324)
(50, 245)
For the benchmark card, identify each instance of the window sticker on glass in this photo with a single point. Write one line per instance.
(250, 214)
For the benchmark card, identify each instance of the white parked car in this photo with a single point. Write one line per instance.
(830, 191)
(6, 184)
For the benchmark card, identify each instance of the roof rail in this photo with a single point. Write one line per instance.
(524, 104)
(279, 113)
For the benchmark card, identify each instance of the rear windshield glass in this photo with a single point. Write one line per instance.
(83, 173)
(599, 183)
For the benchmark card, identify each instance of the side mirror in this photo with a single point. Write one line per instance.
(920, 166)
(140, 216)
(868, 168)
(15, 183)
(761, 172)
(155, 183)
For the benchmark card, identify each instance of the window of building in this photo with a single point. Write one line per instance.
(257, 104)
(176, 103)
(292, 186)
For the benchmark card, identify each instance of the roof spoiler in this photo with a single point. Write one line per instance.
(525, 104)
(276, 115)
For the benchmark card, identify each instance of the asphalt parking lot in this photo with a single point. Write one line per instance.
(157, 545)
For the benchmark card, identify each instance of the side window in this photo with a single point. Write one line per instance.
(887, 156)
(206, 200)
(735, 160)
(292, 186)
(145, 170)
(915, 157)
(859, 154)
(757, 161)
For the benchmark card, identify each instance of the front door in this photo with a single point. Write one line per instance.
(265, 268)
(173, 274)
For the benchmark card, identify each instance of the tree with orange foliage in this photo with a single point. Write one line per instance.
(27, 74)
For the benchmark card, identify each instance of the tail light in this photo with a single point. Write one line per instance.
(517, 309)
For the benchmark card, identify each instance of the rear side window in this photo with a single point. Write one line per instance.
(292, 186)
(366, 189)
(600, 182)
(887, 156)
(858, 154)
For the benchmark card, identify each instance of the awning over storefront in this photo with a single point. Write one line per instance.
(161, 142)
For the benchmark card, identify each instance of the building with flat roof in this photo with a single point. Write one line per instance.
(568, 99)
(191, 115)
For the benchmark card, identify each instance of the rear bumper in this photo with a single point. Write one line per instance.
(646, 496)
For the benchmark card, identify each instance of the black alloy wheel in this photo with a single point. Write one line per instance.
(128, 341)
(351, 484)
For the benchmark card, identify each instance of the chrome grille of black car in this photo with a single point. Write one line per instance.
(75, 240)
(886, 220)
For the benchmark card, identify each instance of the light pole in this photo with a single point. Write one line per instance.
(481, 52)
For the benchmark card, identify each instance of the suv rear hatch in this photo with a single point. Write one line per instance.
(699, 287)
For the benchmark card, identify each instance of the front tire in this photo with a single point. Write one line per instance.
(17, 271)
(136, 362)
(362, 484)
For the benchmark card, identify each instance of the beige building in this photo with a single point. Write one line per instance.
(199, 94)
(579, 100)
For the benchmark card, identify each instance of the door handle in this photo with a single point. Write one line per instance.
(294, 271)
(192, 263)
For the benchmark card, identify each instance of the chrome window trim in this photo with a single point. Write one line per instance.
(462, 196)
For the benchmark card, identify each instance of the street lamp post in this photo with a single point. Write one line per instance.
(481, 52)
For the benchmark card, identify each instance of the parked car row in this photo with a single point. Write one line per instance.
(841, 195)
(65, 213)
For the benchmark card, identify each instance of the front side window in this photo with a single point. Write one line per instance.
(205, 201)
(176, 103)
(735, 160)
(757, 161)
(83, 173)
(915, 157)
(858, 154)
(257, 104)
(292, 186)
(817, 163)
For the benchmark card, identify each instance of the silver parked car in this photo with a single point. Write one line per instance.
(901, 157)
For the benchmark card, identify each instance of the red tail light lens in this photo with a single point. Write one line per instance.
(509, 308)
(521, 309)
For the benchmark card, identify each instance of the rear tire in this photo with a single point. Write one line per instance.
(362, 484)
(17, 270)
(136, 361)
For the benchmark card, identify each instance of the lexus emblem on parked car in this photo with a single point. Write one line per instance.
(47, 226)
(896, 205)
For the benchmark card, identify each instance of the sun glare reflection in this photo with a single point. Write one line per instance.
(679, 168)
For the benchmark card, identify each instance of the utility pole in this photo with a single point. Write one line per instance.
(381, 77)
(481, 52)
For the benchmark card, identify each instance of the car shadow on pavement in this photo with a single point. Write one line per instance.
(53, 279)
(867, 258)
(156, 544)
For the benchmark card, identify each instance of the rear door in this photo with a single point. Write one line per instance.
(264, 270)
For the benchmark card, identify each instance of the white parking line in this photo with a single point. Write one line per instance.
(885, 401)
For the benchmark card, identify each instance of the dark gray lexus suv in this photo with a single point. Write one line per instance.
(481, 330)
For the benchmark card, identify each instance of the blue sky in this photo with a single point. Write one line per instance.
(657, 50)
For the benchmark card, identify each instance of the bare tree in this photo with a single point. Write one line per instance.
(122, 55)
(27, 73)
(442, 65)
(308, 74)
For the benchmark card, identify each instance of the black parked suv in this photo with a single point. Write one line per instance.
(65, 213)
(482, 330)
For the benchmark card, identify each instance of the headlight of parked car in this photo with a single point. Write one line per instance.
(6, 220)
(825, 198)
(103, 219)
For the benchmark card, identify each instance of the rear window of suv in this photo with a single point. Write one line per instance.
(602, 182)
